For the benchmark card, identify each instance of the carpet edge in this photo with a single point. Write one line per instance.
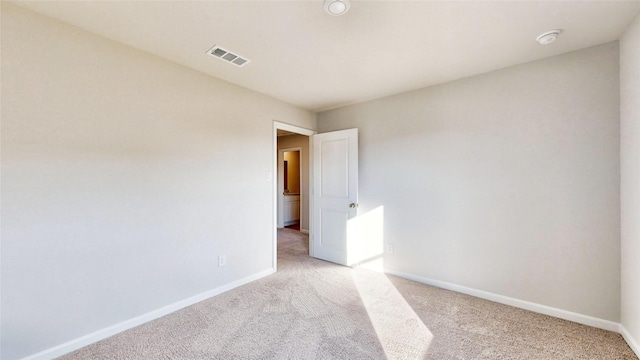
(522, 304)
(633, 344)
(109, 331)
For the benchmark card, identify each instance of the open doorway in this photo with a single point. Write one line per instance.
(331, 203)
(293, 180)
(290, 184)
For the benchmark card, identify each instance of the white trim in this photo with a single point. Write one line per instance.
(91, 338)
(542, 309)
(304, 231)
(292, 128)
(311, 230)
(633, 343)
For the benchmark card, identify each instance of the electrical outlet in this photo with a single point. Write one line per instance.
(389, 248)
(222, 260)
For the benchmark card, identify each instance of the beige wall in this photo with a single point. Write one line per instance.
(630, 182)
(118, 191)
(294, 141)
(506, 182)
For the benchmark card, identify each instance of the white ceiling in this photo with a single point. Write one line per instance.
(303, 56)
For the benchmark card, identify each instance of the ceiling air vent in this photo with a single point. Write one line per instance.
(227, 56)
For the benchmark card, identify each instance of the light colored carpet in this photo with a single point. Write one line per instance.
(311, 309)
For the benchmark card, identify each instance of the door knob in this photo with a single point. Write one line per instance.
(353, 205)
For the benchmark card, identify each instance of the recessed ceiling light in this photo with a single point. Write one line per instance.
(548, 37)
(336, 7)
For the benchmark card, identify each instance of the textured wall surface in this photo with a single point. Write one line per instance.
(506, 182)
(124, 176)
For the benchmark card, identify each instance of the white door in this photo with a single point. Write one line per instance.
(335, 193)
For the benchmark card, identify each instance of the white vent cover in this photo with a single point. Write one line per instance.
(228, 56)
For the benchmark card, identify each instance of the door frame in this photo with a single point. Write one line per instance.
(277, 125)
(280, 180)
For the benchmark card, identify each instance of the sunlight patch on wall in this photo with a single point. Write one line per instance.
(365, 245)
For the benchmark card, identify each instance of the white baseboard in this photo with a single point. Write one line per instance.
(304, 231)
(83, 341)
(538, 308)
(633, 343)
